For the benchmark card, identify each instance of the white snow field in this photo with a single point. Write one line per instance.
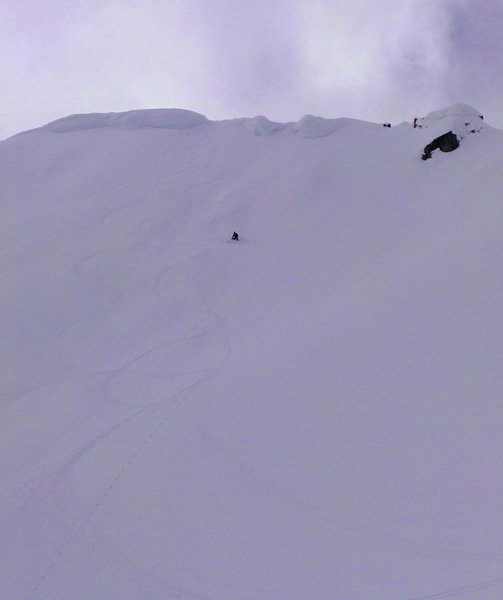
(314, 412)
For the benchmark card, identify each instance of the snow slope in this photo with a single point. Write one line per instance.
(313, 412)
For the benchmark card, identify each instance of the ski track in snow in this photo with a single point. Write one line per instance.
(468, 589)
(160, 404)
(57, 490)
(65, 470)
(57, 486)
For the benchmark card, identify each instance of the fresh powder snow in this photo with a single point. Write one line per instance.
(313, 412)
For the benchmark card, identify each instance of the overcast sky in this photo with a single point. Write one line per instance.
(377, 60)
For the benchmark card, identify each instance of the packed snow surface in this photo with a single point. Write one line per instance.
(313, 412)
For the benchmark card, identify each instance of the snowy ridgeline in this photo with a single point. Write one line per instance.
(459, 118)
(160, 118)
(175, 118)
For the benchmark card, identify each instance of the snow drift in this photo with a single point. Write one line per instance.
(162, 118)
(312, 412)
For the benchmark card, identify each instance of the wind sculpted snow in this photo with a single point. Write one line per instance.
(311, 412)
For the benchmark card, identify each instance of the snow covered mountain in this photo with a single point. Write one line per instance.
(313, 412)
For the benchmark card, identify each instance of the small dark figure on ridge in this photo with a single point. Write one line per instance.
(235, 236)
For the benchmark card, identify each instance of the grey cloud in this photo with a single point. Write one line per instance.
(476, 68)
(384, 61)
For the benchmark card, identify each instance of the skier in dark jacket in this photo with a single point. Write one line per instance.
(235, 236)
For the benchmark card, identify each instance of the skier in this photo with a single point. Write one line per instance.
(235, 236)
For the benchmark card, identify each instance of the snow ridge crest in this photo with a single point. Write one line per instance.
(160, 118)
